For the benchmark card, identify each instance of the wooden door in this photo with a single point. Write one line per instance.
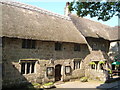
(58, 72)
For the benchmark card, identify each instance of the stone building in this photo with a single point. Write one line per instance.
(42, 46)
(39, 46)
(98, 40)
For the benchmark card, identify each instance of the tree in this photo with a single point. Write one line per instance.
(102, 10)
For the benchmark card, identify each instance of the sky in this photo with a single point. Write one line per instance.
(57, 6)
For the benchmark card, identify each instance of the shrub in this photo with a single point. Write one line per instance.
(84, 79)
(36, 85)
(109, 71)
(49, 85)
(92, 63)
(98, 78)
(101, 62)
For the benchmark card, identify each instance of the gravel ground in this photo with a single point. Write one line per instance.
(90, 84)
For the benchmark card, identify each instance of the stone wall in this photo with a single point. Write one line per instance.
(98, 51)
(45, 52)
(96, 44)
(96, 74)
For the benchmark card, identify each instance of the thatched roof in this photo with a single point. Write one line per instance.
(115, 33)
(96, 56)
(91, 28)
(29, 22)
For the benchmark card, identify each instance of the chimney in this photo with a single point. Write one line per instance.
(66, 10)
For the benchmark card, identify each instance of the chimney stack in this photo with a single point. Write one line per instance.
(66, 9)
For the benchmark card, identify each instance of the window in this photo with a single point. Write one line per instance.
(32, 69)
(50, 71)
(103, 48)
(67, 70)
(29, 44)
(22, 68)
(27, 66)
(58, 46)
(94, 46)
(93, 66)
(76, 47)
(76, 65)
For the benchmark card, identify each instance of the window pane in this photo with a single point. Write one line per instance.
(58, 46)
(28, 68)
(33, 44)
(24, 44)
(32, 68)
(76, 65)
(22, 68)
(29, 43)
(76, 47)
(67, 69)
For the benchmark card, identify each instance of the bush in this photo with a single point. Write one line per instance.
(109, 71)
(84, 79)
(49, 85)
(36, 85)
(101, 62)
(92, 63)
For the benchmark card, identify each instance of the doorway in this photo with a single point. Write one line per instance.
(58, 72)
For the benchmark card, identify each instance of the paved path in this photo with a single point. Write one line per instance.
(90, 84)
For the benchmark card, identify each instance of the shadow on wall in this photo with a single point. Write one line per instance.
(13, 79)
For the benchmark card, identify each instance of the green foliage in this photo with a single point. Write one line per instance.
(84, 79)
(92, 63)
(103, 10)
(101, 62)
(35, 84)
(110, 71)
(98, 78)
(48, 84)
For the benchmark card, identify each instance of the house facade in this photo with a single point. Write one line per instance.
(98, 41)
(38, 47)
(42, 46)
